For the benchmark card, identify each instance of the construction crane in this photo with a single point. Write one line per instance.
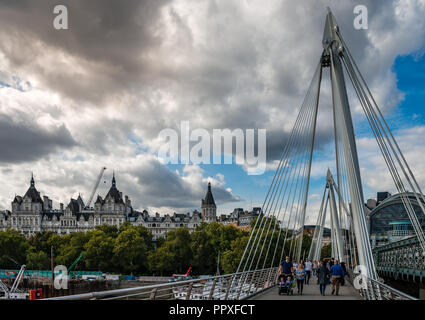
(14, 292)
(74, 264)
(96, 185)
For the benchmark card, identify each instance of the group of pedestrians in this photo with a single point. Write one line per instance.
(326, 271)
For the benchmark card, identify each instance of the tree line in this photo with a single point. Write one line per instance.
(131, 249)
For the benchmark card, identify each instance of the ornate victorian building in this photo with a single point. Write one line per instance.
(33, 213)
(160, 225)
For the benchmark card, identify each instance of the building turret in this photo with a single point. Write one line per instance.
(209, 209)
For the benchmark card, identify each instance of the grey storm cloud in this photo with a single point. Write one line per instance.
(109, 38)
(128, 69)
(222, 82)
(165, 188)
(23, 141)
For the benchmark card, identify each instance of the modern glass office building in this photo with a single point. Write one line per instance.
(389, 221)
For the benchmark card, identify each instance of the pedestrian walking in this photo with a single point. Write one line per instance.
(295, 265)
(300, 275)
(286, 268)
(337, 273)
(315, 267)
(345, 273)
(308, 268)
(323, 275)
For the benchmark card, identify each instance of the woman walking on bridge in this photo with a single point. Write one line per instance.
(300, 275)
(323, 275)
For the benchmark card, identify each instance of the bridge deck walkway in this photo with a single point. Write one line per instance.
(312, 292)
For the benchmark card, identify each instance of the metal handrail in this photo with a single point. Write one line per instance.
(385, 292)
(224, 287)
(377, 290)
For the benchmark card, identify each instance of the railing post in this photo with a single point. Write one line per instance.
(269, 279)
(153, 294)
(256, 280)
(189, 291)
(368, 289)
(378, 292)
(273, 275)
(228, 287)
(241, 286)
(262, 279)
(269, 276)
(212, 289)
(250, 282)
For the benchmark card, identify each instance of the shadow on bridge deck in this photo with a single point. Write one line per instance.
(311, 292)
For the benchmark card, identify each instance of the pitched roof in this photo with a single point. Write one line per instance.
(17, 199)
(32, 192)
(114, 193)
(209, 199)
(99, 200)
(73, 205)
(80, 201)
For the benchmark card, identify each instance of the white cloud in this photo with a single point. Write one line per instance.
(113, 84)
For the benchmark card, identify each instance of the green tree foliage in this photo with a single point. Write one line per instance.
(131, 249)
(208, 241)
(69, 249)
(111, 231)
(41, 241)
(37, 260)
(179, 243)
(99, 250)
(161, 261)
(13, 246)
(231, 257)
(326, 251)
(130, 252)
(205, 250)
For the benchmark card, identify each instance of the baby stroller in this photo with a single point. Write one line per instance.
(286, 285)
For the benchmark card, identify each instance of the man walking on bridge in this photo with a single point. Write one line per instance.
(286, 268)
(337, 273)
(308, 267)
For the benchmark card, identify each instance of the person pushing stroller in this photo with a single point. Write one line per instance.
(286, 268)
(286, 286)
(286, 276)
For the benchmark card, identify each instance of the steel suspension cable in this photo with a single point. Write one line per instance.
(278, 173)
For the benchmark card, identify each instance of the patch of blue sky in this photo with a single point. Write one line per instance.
(78, 158)
(17, 83)
(410, 73)
(138, 143)
(410, 70)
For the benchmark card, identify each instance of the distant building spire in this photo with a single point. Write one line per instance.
(32, 179)
(209, 209)
(113, 179)
(209, 199)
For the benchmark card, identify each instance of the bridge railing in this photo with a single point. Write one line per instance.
(371, 289)
(377, 290)
(235, 286)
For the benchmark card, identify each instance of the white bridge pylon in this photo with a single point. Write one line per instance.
(279, 230)
(338, 239)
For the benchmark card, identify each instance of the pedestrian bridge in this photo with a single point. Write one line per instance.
(311, 292)
(250, 285)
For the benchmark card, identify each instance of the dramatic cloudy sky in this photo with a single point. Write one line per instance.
(98, 94)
